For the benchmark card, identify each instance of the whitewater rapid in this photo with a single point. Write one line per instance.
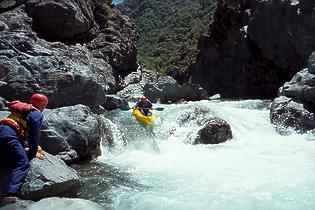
(257, 169)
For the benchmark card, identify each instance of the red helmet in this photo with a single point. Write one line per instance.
(143, 98)
(40, 101)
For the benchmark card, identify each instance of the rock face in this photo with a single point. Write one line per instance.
(63, 19)
(72, 133)
(167, 89)
(295, 107)
(254, 46)
(47, 179)
(80, 73)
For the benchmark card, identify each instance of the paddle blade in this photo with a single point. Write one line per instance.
(125, 107)
(159, 109)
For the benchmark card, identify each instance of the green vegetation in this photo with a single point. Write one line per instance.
(169, 31)
(103, 5)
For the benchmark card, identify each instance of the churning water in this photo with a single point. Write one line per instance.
(257, 169)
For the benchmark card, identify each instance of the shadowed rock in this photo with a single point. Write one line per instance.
(253, 47)
(295, 108)
(215, 131)
(167, 89)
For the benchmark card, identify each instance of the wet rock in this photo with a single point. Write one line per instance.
(215, 131)
(6, 5)
(114, 102)
(295, 107)
(286, 113)
(46, 178)
(73, 133)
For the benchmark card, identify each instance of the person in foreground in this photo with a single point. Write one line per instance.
(19, 136)
(144, 105)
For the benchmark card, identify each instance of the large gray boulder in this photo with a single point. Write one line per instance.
(72, 133)
(49, 178)
(46, 178)
(295, 108)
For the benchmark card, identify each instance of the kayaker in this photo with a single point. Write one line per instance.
(144, 105)
(19, 136)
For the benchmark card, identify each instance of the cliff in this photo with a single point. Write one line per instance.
(253, 47)
(73, 51)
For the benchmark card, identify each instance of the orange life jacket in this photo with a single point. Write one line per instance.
(15, 120)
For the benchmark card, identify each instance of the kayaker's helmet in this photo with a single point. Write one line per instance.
(40, 101)
(143, 99)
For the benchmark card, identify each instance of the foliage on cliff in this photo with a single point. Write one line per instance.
(169, 31)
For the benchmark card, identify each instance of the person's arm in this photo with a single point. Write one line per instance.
(35, 122)
(137, 105)
(150, 105)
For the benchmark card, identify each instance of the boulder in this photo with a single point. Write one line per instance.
(295, 106)
(215, 131)
(113, 102)
(73, 133)
(47, 178)
(286, 113)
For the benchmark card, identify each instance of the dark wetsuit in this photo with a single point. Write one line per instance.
(144, 107)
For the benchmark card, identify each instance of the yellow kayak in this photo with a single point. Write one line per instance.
(142, 118)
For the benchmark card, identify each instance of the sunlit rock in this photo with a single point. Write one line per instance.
(72, 133)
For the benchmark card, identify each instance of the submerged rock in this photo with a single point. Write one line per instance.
(54, 203)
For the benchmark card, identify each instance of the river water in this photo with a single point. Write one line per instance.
(257, 169)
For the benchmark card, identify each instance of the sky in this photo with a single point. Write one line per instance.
(117, 1)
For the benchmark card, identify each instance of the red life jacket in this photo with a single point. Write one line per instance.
(15, 120)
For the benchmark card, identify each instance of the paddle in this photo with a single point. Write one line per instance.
(126, 108)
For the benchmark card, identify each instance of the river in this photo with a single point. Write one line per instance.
(257, 169)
